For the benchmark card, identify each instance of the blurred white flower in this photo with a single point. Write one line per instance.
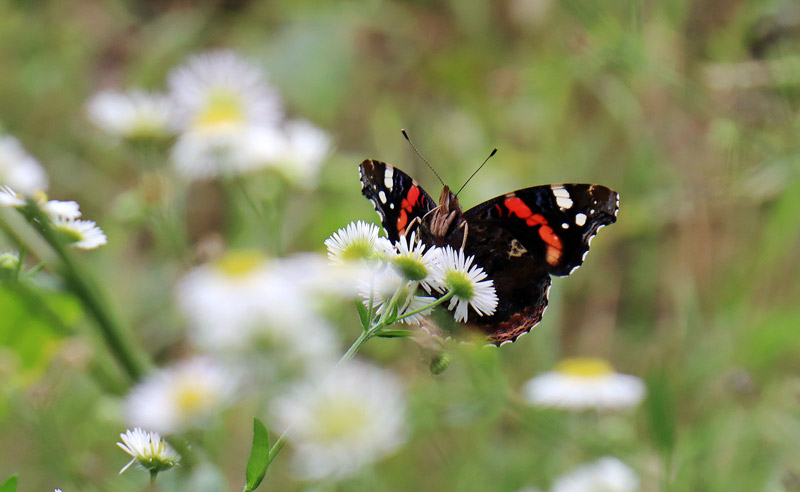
(387, 289)
(357, 241)
(584, 383)
(57, 208)
(355, 417)
(10, 198)
(148, 449)
(184, 395)
(455, 272)
(244, 303)
(225, 151)
(226, 292)
(133, 115)
(229, 115)
(53, 208)
(306, 148)
(218, 90)
(18, 169)
(82, 234)
(604, 475)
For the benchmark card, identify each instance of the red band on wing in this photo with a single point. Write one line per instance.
(402, 221)
(406, 207)
(410, 201)
(554, 245)
(517, 207)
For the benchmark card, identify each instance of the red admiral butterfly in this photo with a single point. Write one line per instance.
(519, 239)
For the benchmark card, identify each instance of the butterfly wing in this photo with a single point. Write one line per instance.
(522, 238)
(397, 198)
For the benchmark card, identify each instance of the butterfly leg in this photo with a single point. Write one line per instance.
(465, 225)
(415, 222)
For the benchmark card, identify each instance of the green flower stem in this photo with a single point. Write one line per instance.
(429, 306)
(276, 448)
(86, 288)
(356, 346)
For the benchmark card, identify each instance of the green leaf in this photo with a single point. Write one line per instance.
(259, 456)
(362, 314)
(10, 485)
(394, 333)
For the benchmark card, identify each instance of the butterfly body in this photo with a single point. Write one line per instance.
(520, 239)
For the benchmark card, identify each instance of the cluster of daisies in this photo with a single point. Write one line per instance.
(23, 185)
(225, 117)
(338, 417)
(284, 352)
(398, 279)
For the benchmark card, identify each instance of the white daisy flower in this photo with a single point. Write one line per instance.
(305, 150)
(413, 262)
(82, 234)
(182, 396)
(604, 475)
(357, 241)
(18, 169)
(135, 114)
(197, 155)
(355, 417)
(53, 208)
(243, 303)
(584, 383)
(10, 198)
(225, 292)
(57, 208)
(218, 90)
(386, 286)
(455, 272)
(148, 449)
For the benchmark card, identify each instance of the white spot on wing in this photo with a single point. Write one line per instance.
(565, 225)
(563, 202)
(391, 206)
(560, 191)
(382, 196)
(580, 219)
(388, 176)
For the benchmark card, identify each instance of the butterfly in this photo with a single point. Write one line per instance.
(520, 239)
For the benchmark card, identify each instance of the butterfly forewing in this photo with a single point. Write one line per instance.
(397, 198)
(553, 224)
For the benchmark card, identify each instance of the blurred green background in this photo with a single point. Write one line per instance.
(688, 108)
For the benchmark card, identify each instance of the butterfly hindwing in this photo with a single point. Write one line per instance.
(397, 198)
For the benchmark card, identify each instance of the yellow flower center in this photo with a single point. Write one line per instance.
(585, 367)
(338, 419)
(221, 107)
(239, 263)
(193, 397)
(361, 249)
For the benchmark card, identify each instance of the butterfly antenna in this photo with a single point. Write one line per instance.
(421, 156)
(479, 168)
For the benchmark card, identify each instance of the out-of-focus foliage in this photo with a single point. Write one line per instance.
(689, 109)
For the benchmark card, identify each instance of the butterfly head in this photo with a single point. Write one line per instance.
(445, 218)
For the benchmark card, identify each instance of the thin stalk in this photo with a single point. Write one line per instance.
(356, 346)
(429, 306)
(85, 287)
